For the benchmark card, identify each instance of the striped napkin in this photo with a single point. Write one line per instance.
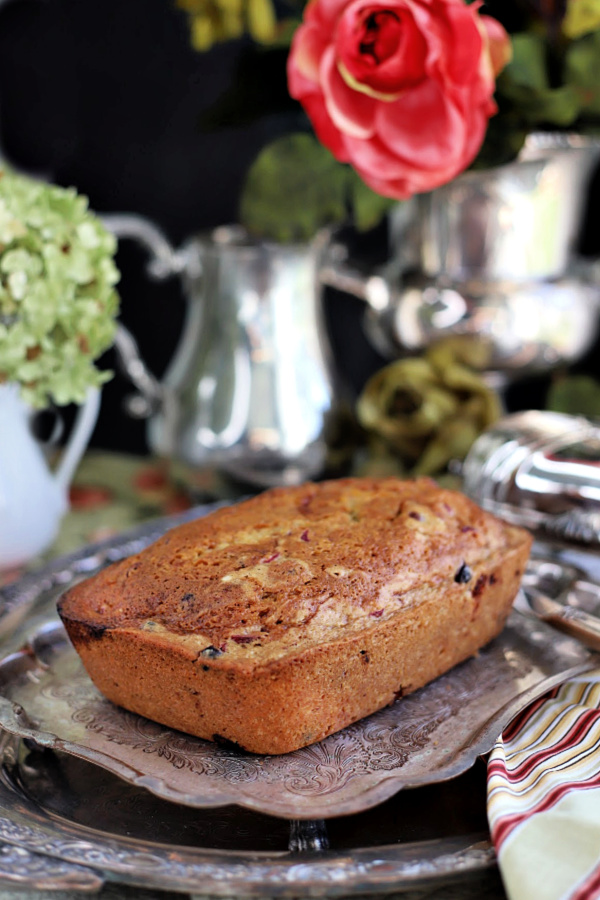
(544, 795)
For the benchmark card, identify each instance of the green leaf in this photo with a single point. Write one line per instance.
(528, 64)
(368, 208)
(582, 71)
(558, 106)
(293, 188)
(524, 91)
(540, 106)
(576, 395)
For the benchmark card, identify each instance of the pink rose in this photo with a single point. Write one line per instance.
(400, 89)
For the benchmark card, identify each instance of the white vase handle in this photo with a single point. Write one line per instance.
(81, 433)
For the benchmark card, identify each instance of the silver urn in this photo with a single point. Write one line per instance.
(493, 255)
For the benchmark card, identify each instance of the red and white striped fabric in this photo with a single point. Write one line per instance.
(544, 795)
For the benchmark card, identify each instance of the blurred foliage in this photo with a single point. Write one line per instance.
(553, 79)
(578, 395)
(581, 18)
(422, 412)
(525, 84)
(213, 21)
(317, 192)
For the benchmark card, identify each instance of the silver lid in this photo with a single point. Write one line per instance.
(541, 470)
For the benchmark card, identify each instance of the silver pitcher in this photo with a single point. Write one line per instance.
(492, 254)
(251, 390)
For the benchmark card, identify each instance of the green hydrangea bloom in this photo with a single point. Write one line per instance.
(58, 302)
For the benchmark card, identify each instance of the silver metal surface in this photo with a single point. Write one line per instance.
(539, 469)
(562, 595)
(20, 868)
(165, 261)
(308, 835)
(251, 389)
(528, 326)
(68, 818)
(570, 619)
(492, 255)
(517, 222)
(150, 394)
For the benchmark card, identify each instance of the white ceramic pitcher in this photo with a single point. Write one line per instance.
(33, 498)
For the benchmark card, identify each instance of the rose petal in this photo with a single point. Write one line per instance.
(423, 125)
(499, 45)
(325, 13)
(455, 35)
(308, 46)
(398, 189)
(408, 182)
(351, 111)
(324, 128)
(411, 178)
(475, 133)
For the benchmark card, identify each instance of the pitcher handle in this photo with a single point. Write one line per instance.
(130, 361)
(79, 438)
(165, 259)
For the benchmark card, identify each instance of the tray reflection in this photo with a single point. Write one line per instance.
(79, 792)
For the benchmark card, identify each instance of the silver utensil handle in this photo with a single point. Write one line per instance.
(569, 619)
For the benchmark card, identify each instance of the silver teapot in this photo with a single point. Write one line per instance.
(252, 389)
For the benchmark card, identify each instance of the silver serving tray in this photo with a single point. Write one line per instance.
(69, 824)
(422, 740)
(435, 734)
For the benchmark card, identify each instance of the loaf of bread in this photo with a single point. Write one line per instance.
(280, 620)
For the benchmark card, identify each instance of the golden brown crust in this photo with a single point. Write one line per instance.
(287, 617)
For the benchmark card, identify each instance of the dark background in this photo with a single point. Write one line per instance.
(107, 96)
